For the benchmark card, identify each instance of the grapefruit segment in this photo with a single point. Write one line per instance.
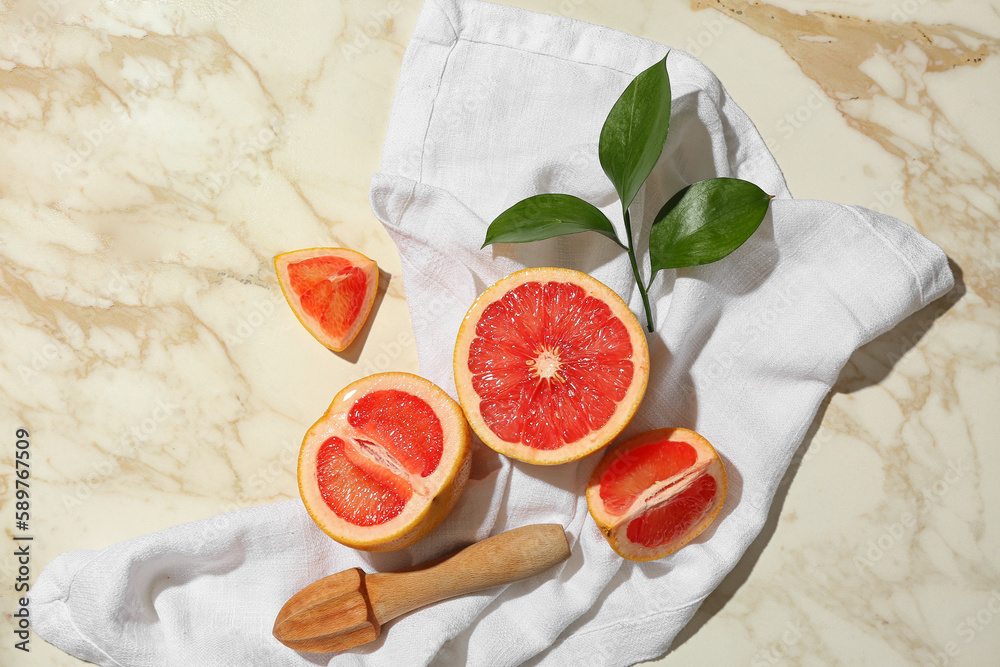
(330, 290)
(671, 520)
(360, 494)
(656, 492)
(550, 365)
(386, 462)
(406, 426)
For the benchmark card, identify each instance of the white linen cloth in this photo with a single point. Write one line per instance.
(495, 104)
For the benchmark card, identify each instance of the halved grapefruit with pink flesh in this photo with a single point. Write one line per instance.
(550, 365)
(656, 492)
(386, 462)
(330, 290)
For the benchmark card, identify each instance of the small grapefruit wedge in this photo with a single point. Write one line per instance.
(550, 365)
(386, 462)
(330, 290)
(656, 492)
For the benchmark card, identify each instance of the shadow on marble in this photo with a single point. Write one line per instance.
(353, 351)
(868, 366)
(872, 363)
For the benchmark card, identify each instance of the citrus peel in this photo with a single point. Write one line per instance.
(330, 290)
(386, 462)
(550, 365)
(654, 493)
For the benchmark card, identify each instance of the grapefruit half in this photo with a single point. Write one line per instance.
(550, 365)
(330, 290)
(656, 492)
(386, 462)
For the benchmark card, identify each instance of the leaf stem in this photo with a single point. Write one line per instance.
(635, 271)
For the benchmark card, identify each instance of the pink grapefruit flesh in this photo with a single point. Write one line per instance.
(330, 290)
(386, 462)
(550, 365)
(656, 492)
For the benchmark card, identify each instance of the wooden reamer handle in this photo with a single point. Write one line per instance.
(498, 560)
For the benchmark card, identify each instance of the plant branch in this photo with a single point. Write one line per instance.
(635, 270)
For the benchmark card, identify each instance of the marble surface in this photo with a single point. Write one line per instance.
(150, 147)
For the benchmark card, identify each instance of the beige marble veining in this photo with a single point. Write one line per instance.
(907, 569)
(156, 164)
(159, 154)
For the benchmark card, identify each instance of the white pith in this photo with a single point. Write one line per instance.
(546, 365)
(661, 493)
(376, 452)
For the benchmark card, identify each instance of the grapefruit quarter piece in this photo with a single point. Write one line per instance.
(330, 290)
(386, 462)
(550, 365)
(656, 492)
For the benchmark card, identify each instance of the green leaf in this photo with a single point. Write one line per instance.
(704, 222)
(545, 216)
(636, 128)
